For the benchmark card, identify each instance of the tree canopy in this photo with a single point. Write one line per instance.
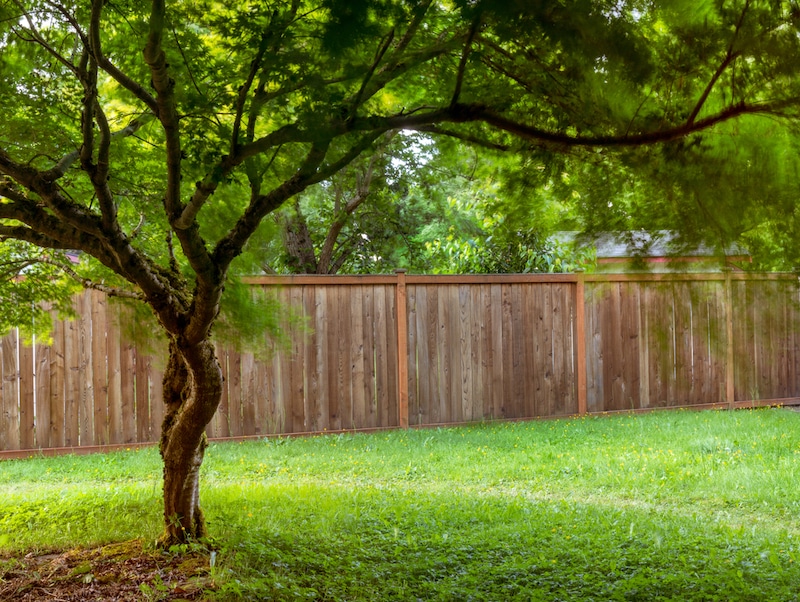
(155, 139)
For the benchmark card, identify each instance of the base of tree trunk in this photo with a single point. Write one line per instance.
(175, 534)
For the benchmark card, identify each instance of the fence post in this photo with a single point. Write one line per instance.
(401, 307)
(729, 359)
(580, 340)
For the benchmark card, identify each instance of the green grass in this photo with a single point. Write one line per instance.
(669, 506)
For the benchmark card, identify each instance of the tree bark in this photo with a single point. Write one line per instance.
(192, 392)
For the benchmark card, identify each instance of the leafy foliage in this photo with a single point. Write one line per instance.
(33, 289)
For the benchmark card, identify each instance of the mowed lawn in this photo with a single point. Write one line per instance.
(664, 506)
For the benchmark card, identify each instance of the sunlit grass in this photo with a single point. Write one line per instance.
(668, 506)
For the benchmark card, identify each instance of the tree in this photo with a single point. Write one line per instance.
(156, 141)
(332, 227)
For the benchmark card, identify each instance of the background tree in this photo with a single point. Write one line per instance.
(156, 140)
(425, 205)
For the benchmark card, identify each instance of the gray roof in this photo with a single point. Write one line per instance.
(638, 243)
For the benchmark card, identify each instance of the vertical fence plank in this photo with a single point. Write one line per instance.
(495, 311)
(392, 386)
(466, 354)
(142, 396)
(156, 382)
(534, 341)
(43, 418)
(321, 409)
(423, 369)
(478, 335)
(114, 375)
(356, 354)
(563, 374)
(299, 379)
(521, 340)
(454, 345)
(84, 366)
(248, 395)
(401, 307)
(443, 349)
(382, 383)
(27, 433)
(72, 388)
(10, 393)
(127, 365)
(99, 368)
(57, 399)
(507, 351)
(412, 390)
(235, 428)
(344, 364)
(579, 338)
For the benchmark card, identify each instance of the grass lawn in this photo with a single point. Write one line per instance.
(668, 506)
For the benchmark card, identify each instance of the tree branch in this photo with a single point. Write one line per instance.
(68, 160)
(356, 101)
(270, 35)
(166, 110)
(730, 56)
(474, 140)
(106, 65)
(479, 113)
(205, 188)
(39, 39)
(462, 64)
(111, 291)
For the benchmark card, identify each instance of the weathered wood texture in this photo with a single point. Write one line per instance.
(472, 348)
(490, 351)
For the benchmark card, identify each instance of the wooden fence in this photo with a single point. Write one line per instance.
(394, 351)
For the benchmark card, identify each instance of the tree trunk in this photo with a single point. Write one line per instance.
(192, 392)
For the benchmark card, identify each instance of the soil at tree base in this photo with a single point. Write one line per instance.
(114, 572)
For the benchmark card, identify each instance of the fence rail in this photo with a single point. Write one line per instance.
(408, 350)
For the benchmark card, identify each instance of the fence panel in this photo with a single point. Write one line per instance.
(475, 348)
(655, 344)
(766, 339)
(484, 351)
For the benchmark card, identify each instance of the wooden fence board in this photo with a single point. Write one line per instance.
(235, 425)
(100, 380)
(422, 356)
(413, 356)
(142, 397)
(127, 364)
(432, 368)
(72, 393)
(344, 364)
(27, 384)
(10, 393)
(494, 307)
(466, 356)
(385, 384)
(57, 397)
(393, 406)
(83, 365)
(114, 376)
(479, 343)
(42, 386)
(452, 342)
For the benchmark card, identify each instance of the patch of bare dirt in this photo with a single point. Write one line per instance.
(117, 572)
